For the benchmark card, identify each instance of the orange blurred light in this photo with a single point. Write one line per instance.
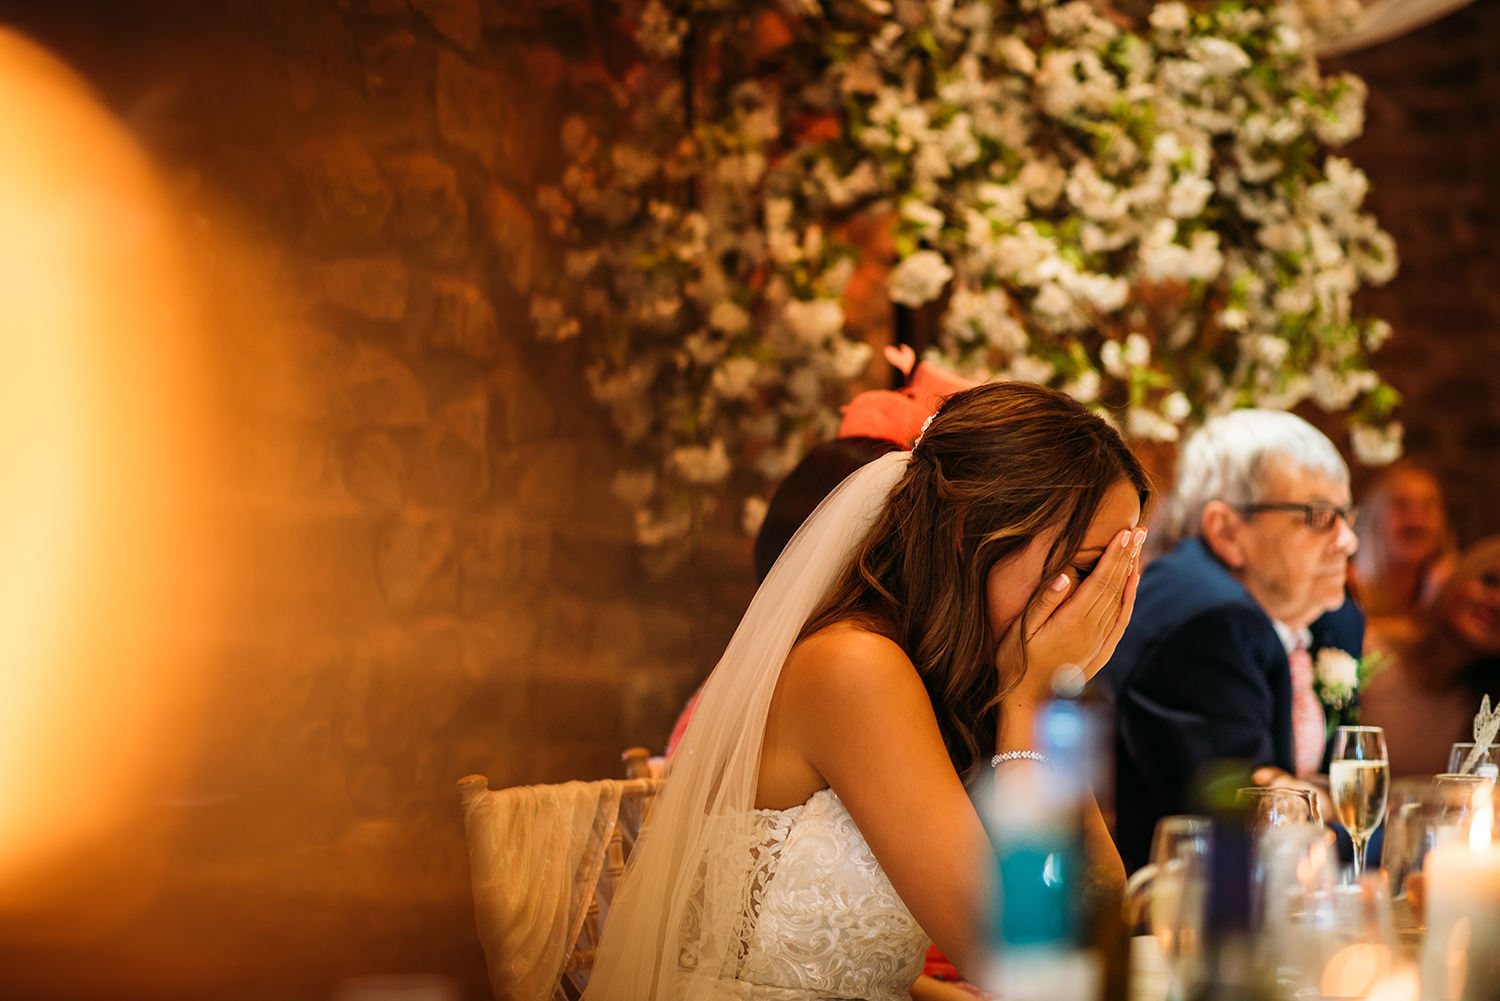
(103, 581)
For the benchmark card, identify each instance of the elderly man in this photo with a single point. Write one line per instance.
(1217, 660)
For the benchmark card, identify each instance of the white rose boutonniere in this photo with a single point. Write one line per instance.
(1337, 678)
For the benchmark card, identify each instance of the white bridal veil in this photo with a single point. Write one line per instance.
(675, 930)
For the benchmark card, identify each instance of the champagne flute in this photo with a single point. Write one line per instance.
(1359, 775)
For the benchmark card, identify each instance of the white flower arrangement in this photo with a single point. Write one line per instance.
(1145, 215)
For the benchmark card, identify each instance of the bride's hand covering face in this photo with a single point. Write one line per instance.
(1077, 616)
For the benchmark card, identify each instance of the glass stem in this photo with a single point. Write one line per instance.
(1359, 855)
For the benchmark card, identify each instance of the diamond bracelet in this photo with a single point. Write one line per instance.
(1017, 756)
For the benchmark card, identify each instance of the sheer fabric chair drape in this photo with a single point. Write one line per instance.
(542, 862)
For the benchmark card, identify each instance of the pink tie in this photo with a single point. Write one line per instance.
(1308, 725)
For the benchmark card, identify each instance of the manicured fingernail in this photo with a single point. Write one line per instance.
(1060, 583)
(1125, 540)
(1140, 536)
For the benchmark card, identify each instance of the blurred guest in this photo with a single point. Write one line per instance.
(1217, 661)
(823, 467)
(1426, 697)
(1406, 548)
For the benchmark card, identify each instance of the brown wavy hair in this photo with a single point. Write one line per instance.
(997, 465)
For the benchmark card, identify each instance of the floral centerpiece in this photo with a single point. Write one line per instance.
(1142, 212)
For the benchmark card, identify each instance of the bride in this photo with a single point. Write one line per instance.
(815, 830)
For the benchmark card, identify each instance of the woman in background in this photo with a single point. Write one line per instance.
(1427, 696)
(1406, 549)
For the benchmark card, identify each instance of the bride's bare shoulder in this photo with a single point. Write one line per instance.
(848, 654)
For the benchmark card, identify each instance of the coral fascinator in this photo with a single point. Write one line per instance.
(898, 414)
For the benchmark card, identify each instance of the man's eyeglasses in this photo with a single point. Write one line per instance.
(1320, 516)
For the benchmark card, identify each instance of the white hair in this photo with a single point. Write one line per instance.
(1228, 457)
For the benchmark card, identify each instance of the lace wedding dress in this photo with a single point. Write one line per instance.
(820, 920)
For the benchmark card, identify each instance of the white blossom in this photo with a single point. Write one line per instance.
(706, 464)
(652, 532)
(927, 219)
(1176, 407)
(753, 515)
(728, 318)
(1271, 350)
(1143, 422)
(1188, 196)
(1005, 203)
(987, 316)
(1374, 254)
(1093, 195)
(919, 278)
(659, 33)
(848, 359)
(550, 320)
(1112, 357)
(1218, 56)
(1162, 258)
(1029, 368)
(734, 378)
(1376, 446)
(1104, 293)
(1043, 182)
(1377, 334)
(1084, 387)
(1170, 16)
(814, 321)
(1015, 54)
(633, 166)
(1056, 309)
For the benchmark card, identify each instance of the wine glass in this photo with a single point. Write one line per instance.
(1270, 807)
(1359, 775)
(1167, 896)
(1456, 795)
(1295, 875)
(1413, 826)
(1488, 761)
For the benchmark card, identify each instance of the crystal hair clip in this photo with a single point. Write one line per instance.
(922, 433)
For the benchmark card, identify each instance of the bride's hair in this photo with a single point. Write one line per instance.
(997, 465)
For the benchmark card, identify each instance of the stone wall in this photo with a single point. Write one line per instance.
(431, 578)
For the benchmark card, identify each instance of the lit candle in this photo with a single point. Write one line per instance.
(1461, 954)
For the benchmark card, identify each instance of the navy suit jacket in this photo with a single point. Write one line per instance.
(1199, 675)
